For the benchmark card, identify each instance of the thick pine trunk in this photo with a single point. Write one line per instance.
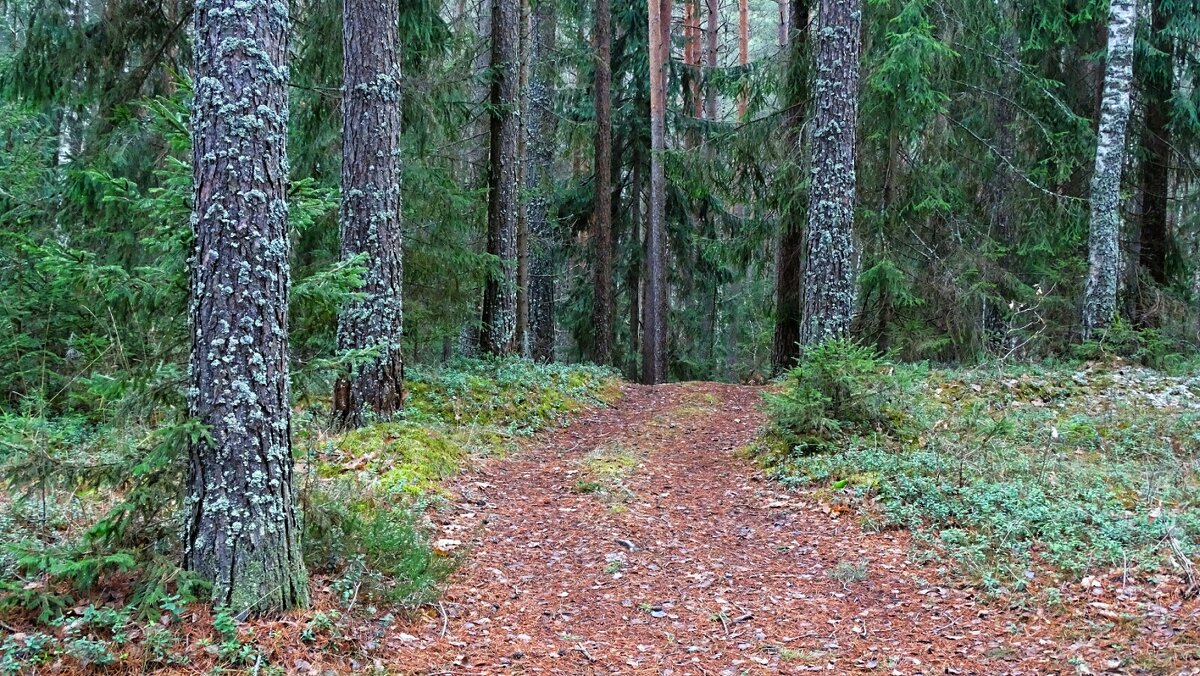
(241, 532)
(498, 334)
(654, 324)
(831, 265)
(540, 147)
(1156, 141)
(1100, 290)
(602, 308)
(370, 213)
(785, 348)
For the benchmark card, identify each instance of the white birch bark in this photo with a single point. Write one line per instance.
(1100, 291)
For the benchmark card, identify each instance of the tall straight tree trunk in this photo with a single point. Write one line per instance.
(654, 324)
(785, 347)
(1104, 253)
(633, 279)
(540, 132)
(1159, 81)
(713, 20)
(831, 263)
(743, 54)
(522, 334)
(1000, 190)
(370, 214)
(241, 532)
(498, 335)
(602, 308)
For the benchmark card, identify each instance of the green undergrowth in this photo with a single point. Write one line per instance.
(89, 528)
(1009, 473)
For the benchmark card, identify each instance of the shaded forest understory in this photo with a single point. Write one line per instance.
(320, 323)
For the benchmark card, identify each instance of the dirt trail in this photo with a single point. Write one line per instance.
(703, 567)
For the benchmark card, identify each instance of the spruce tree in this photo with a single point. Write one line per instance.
(499, 327)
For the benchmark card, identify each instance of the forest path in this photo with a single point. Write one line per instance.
(690, 563)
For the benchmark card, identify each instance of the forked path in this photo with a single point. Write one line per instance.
(698, 566)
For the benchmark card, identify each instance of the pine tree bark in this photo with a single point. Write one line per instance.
(498, 334)
(1158, 83)
(540, 147)
(370, 210)
(785, 347)
(831, 265)
(602, 308)
(654, 324)
(241, 532)
(1100, 289)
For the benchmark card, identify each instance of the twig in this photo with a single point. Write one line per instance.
(445, 618)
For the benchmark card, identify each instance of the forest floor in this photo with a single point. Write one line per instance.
(640, 540)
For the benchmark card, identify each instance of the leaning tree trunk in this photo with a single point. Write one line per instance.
(785, 348)
(1100, 290)
(540, 131)
(831, 265)
(498, 335)
(602, 307)
(1159, 79)
(241, 532)
(653, 324)
(370, 216)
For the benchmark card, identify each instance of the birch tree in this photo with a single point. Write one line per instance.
(1100, 289)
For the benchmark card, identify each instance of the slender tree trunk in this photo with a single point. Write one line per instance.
(522, 337)
(1159, 81)
(602, 308)
(1100, 291)
(710, 56)
(498, 336)
(370, 215)
(784, 22)
(785, 347)
(633, 280)
(1000, 191)
(654, 329)
(831, 266)
(241, 532)
(743, 54)
(540, 146)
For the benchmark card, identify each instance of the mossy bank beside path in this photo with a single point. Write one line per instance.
(640, 540)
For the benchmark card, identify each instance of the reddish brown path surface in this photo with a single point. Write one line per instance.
(705, 567)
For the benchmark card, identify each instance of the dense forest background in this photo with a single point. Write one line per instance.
(976, 146)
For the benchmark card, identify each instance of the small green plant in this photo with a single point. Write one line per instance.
(839, 389)
(847, 573)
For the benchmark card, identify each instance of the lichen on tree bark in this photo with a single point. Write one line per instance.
(831, 264)
(241, 531)
(1100, 289)
(370, 212)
